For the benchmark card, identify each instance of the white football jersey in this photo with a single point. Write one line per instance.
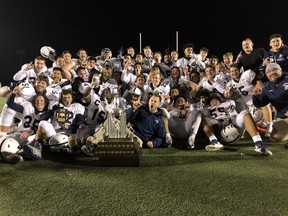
(194, 63)
(111, 84)
(216, 87)
(29, 118)
(225, 113)
(163, 89)
(244, 86)
(29, 75)
(53, 94)
(223, 110)
(95, 113)
(73, 109)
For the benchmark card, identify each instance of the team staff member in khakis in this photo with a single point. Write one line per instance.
(275, 91)
(148, 121)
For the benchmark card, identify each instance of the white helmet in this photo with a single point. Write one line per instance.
(229, 134)
(256, 113)
(8, 146)
(48, 52)
(27, 91)
(58, 141)
(83, 87)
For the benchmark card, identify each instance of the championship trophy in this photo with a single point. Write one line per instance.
(116, 145)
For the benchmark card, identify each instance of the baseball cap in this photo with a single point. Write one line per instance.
(272, 66)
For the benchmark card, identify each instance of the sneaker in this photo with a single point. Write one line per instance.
(191, 142)
(14, 159)
(262, 150)
(33, 152)
(217, 146)
(168, 140)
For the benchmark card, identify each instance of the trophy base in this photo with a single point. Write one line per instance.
(117, 152)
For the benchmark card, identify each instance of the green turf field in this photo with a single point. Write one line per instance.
(236, 181)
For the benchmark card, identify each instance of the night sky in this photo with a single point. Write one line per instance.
(28, 25)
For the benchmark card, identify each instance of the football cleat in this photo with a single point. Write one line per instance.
(263, 151)
(217, 146)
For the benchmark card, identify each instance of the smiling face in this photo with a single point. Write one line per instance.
(40, 85)
(40, 103)
(39, 64)
(235, 72)
(276, 43)
(274, 74)
(247, 46)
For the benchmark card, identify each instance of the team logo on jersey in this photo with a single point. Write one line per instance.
(62, 115)
(285, 85)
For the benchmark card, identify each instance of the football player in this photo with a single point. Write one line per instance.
(184, 121)
(222, 113)
(68, 118)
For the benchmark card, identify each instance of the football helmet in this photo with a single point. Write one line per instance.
(256, 113)
(8, 146)
(83, 87)
(229, 134)
(27, 91)
(48, 52)
(58, 141)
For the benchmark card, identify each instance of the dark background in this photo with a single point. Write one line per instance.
(221, 26)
